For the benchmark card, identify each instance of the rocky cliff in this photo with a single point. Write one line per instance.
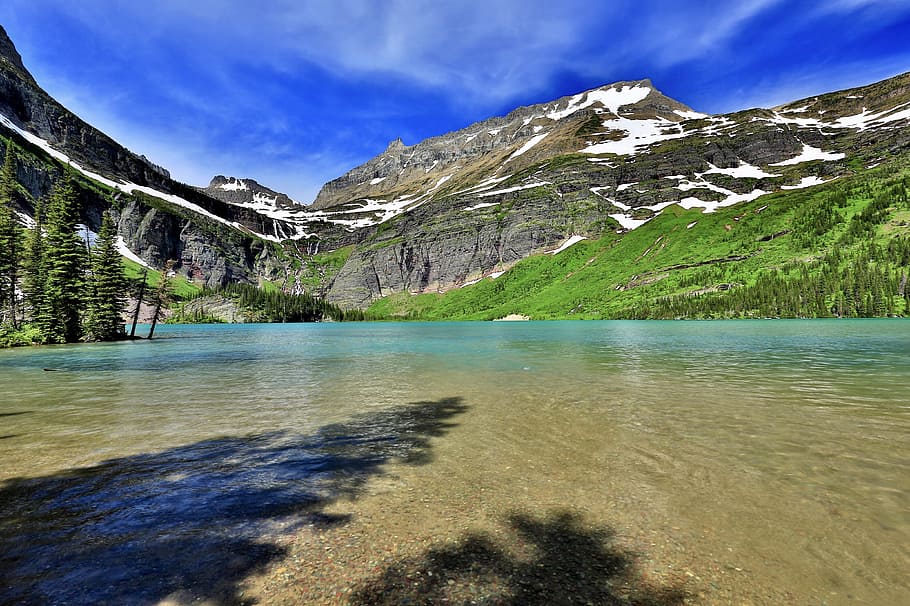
(160, 219)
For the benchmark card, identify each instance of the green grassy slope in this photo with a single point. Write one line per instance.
(838, 249)
(183, 288)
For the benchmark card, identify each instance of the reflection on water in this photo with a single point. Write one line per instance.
(780, 448)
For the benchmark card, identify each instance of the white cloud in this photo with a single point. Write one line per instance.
(488, 50)
(684, 31)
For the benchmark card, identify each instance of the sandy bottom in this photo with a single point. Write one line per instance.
(538, 512)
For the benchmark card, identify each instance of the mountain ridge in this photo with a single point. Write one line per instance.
(502, 133)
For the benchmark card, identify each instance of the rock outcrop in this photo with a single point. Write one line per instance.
(49, 138)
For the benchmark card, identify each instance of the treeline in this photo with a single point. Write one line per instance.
(859, 278)
(260, 305)
(54, 286)
(867, 285)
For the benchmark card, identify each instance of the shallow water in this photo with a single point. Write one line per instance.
(769, 458)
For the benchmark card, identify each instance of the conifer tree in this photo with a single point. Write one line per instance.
(104, 318)
(34, 276)
(10, 240)
(60, 314)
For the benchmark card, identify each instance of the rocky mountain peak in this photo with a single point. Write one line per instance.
(395, 146)
(9, 55)
(514, 141)
(247, 192)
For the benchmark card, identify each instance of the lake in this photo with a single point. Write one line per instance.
(755, 462)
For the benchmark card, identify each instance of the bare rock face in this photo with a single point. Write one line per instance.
(10, 56)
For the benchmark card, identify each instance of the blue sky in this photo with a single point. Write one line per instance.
(294, 93)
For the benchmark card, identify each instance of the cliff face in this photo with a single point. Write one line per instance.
(159, 219)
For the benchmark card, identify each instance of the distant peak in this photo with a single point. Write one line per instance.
(396, 145)
(643, 83)
(228, 183)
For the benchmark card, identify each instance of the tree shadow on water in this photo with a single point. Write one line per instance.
(550, 561)
(193, 522)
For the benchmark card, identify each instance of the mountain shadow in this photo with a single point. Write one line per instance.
(191, 523)
(550, 561)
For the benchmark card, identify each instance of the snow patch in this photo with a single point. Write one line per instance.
(378, 180)
(124, 251)
(689, 115)
(234, 185)
(610, 98)
(481, 205)
(864, 119)
(710, 206)
(743, 171)
(639, 134)
(26, 220)
(264, 201)
(531, 143)
(732, 198)
(87, 235)
(572, 240)
(806, 182)
(628, 222)
(810, 154)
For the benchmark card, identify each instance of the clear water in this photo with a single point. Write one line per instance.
(776, 449)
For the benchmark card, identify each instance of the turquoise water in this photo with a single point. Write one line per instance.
(209, 438)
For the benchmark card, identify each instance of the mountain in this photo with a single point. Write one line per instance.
(604, 165)
(470, 204)
(505, 144)
(158, 218)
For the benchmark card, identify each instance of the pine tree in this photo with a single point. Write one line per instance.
(10, 240)
(104, 318)
(34, 278)
(60, 315)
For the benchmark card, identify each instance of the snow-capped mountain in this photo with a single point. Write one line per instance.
(469, 204)
(461, 206)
